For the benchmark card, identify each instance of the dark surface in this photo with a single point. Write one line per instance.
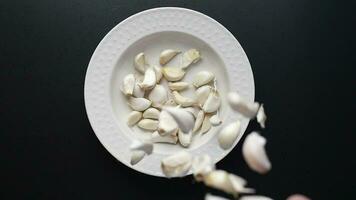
(302, 53)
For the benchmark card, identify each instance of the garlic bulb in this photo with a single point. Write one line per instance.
(202, 78)
(173, 73)
(128, 84)
(239, 104)
(167, 55)
(229, 134)
(140, 62)
(176, 165)
(158, 96)
(133, 118)
(189, 57)
(149, 80)
(139, 104)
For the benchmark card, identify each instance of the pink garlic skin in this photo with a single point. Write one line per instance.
(298, 197)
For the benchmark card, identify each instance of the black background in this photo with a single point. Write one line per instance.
(303, 57)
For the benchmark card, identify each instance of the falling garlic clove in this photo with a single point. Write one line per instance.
(178, 86)
(133, 118)
(145, 146)
(189, 57)
(149, 80)
(213, 197)
(185, 138)
(201, 166)
(213, 102)
(158, 72)
(140, 62)
(229, 134)
(158, 96)
(151, 113)
(166, 124)
(139, 104)
(238, 184)
(202, 78)
(167, 55)
(128, 84)
(215, 120)
(173, 73)
(157, 138)
(176, 165)
(244, 107)
(254, 153)
(184, 119)
(148, 124)
(219, 179)
(138, 91)
(199, 121)
(202, 94)
(137, 156)
(298, 197)
(183, 101)
(255, 197)
(206, 125)
(193, 110)
(261, 116)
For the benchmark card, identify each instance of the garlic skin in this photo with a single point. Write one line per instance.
(173, 73)
(151, 113)
(254, 153)
(202, 78)
(176, 165)
(138, 91)
(133, 118)
(229, 134)
(183, 101)
(178, 86)
(244, 107)
(158, 72)
(213, 197)
(139, 104)
(149, 80)
(261, 116)
(201, 166)
(167, 55)
(255, 197)
(145, 146)
(136, 156)
(202, 94)
(205, 127)
(215, 120)
(157, 138)
(128, 84)
(184, 119)
(158, 96)
(213, 102)
(140, 62)
(148, 124)
(189, 57)
(166, 124)
(185, 138)
(198, 121)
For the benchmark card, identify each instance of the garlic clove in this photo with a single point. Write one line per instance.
(151, 113)
(254, 197)
(133, 118)
(213, 102)
(198, 121)
(183, 101)
(215, 120)
(167, 55)
(298, 197)
(139, 104)
(138, 91)
(261, 116)
(239, 184)
(176, 165)
(140, 62)
(205, 127)
(193, 110)
(244, 107)
(157, 138)
(137, 156)
(202, 94)
(219, 179)
(201, 166)
(229, 134)
(185, 138)
(173, 73)
(149, 80)
(158, 96)
(254, 153)
(170, 102)
(158, 71)
(202, 78)
(184, 119)
(145, 146)
(178, 86)
(213, 197)
(148, 124)
(128, 84)
(166, 124)
(189, 57)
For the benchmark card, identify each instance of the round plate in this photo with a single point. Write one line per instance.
(152, 31)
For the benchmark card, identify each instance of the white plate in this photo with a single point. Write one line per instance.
(151, 31)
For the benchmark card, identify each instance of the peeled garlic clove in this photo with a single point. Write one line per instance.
(239, 183)
(213, 102)
(261, 116)
(128, 84)
(137, 156)
(181, 100)
(157, 138)
(140, 62)
(239, 104)
(173, 73)
(145, 146)
(158, 96)
(176, 165)
(298, 197)
(185, 138)
(139, 104)
(138, 91)
(134, 117)
(215, 120)
(202, 78)
(189, 57)
(198, 121)
(151, 113)
(193, 110)
(254, 197)
(205, 127)
(166, 124)
(158, 71)
(213, 197)
(219, 179)
(202, 94)
(184, 119)
(229, 134)
(149, 80)
(178, 86)
(167, 55)
(201, 166)
(148, 124)
(253, 150)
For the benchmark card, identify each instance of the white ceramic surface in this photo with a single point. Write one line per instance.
(152, 31)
